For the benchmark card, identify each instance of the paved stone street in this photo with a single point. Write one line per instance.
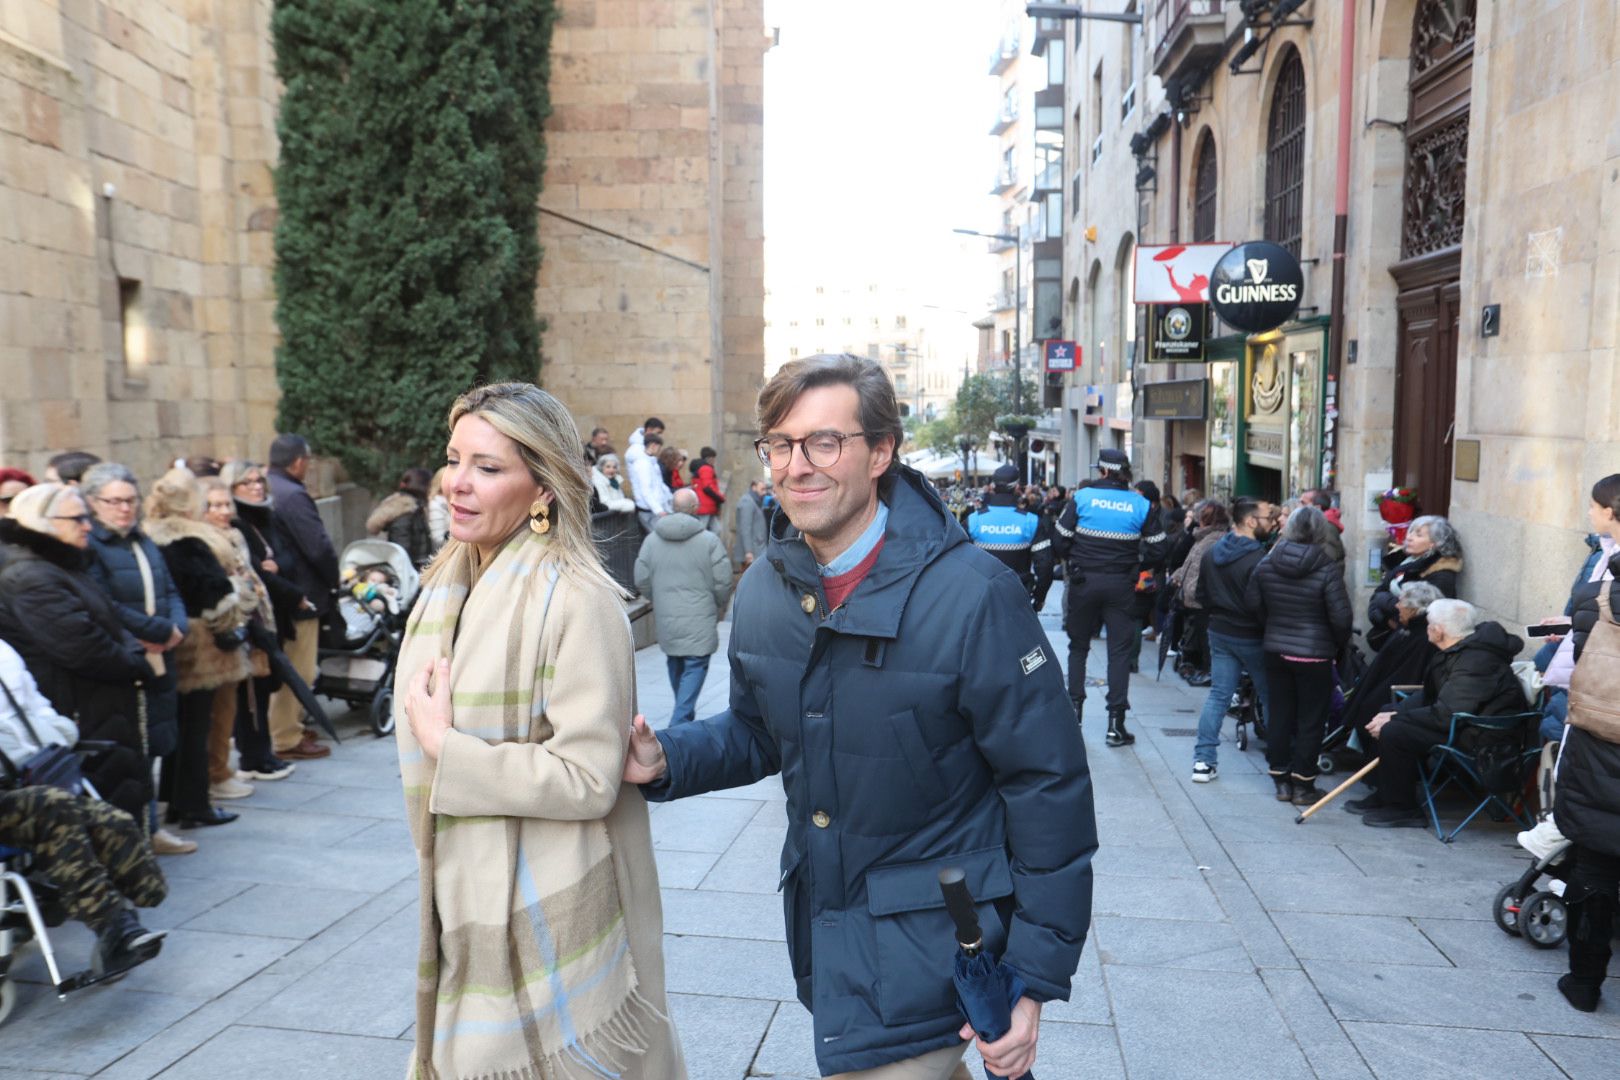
(1228, 942)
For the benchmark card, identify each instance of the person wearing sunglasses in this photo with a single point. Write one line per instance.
(67, 630)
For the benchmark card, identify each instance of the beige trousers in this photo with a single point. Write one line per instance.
(220, 731)
(286, 715)
(945, 1064)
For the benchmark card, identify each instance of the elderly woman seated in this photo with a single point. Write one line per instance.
(1472, 673)
(1401, 662)
(1431, 553)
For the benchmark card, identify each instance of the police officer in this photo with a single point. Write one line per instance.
(1015, 536)
(1103, 536)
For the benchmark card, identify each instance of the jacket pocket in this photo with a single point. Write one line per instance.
(916, 940)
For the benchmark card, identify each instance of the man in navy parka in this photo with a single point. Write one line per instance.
(896, 677)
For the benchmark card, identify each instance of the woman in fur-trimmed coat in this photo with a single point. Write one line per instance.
(214, 651)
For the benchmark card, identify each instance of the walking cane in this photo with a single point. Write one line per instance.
(1336, 792)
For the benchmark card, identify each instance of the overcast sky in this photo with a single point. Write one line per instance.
(877, 115)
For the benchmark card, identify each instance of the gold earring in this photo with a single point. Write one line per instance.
(540, 517)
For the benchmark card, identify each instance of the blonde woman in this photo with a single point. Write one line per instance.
(541, 924)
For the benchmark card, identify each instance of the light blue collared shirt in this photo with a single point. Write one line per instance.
(861, 548)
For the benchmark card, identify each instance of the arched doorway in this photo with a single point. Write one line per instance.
(1429, 271)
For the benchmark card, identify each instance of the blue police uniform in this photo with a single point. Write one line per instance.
(1018, 538)
(1104, 535)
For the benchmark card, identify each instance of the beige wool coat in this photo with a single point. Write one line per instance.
(590, 684)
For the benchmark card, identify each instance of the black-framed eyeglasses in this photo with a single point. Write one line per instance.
(126, 503)
(77, 519)
(821, 449)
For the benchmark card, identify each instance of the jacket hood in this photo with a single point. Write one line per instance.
(1296, 560)
(920, 530)
(1232, 547)
(678, 527)
(42, 546)
(1208, 530)
(391, 510)
(1490, 637)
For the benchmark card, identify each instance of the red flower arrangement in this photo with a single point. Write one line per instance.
(1398, 506)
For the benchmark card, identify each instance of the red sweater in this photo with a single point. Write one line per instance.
(839, 586)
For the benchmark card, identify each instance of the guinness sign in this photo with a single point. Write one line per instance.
(1256, 286)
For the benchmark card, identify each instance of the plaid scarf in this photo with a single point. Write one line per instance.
(525, 967)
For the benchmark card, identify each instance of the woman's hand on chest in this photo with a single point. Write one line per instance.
(427, 706)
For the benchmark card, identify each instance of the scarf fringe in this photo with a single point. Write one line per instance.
(604, 1054)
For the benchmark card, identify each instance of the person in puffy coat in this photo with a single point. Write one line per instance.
(1587, 810)
(214, 651)
(608, 487)
(402, 519)
(127, 566)
(897, 679)
(68, 633)
(1473, 673)
(683, 569)
(1297, 593)
(706, 482)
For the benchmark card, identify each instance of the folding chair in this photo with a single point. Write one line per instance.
(1487, 757)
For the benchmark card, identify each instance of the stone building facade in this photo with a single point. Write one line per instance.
(1484, 173)
(137, 209)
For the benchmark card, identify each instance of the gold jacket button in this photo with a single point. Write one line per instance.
(821, 818)
(808, 603)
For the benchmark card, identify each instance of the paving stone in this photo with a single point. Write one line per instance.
(238, 1005)
(1090, 1051)
(1418, 855)
(345, 999)
(279, 826)
(347, 768)
(284, 794)
(251, 861)
(1173, 898)
(1582, 1059)
(1450, 997)
(720, 1035)
(198, 966)
(188, 898)
(1174, 1023)
(1271, 857)
(1088, 995)
(393, 943)
(709, 913)
(1156, 862)
(1449, 1053)
(683, 869)
(1320, 1037)
(1208, 946)
(753, 862)
(1384, 896)
(1371, 939)
(388, 803)
(789, 1049)
(1485, 947)
(383, 835)
(750, 969)
(701, 824)
(86, 1032)
(279, 912)
(243, 1053)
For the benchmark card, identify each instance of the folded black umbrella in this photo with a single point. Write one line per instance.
(986, 989)
(261, 638)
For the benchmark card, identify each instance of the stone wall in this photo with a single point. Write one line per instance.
(652, 277)
(136, 317)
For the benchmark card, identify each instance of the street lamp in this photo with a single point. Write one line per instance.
(1075, 11)
(1018, 307)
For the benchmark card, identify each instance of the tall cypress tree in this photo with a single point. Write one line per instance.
(406, 251)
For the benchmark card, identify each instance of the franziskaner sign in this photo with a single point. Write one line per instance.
(1256, 286)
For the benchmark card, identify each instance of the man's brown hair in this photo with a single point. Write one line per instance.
(879, 413)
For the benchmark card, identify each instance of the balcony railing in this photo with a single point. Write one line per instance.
(1005, 52)
(1006, 117)
(1171, 17)
(1002, 300)
(1006, 180)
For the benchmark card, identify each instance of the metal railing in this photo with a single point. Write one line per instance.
(1170, 14)
(618, 539)
(1005, 52)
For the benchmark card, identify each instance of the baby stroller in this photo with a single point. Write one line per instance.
(359, 642)
(1528, 908)
(1247, 711)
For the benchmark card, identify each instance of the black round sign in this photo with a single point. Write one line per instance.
(1256, 286)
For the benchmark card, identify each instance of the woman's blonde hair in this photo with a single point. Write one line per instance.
(176, 494)
(548, 442)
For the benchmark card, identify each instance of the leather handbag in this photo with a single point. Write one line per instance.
(1594, 687)
(52, 765)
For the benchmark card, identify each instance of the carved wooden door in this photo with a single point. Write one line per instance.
(1431, 249)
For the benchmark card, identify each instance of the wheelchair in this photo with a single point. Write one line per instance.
(30, 907)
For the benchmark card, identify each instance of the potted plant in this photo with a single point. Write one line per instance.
(1016, 425)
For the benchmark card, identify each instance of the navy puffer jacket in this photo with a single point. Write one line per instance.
(116, 571)
(923, 724)
(1297, 593)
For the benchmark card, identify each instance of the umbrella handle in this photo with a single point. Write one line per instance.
(959, 903)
